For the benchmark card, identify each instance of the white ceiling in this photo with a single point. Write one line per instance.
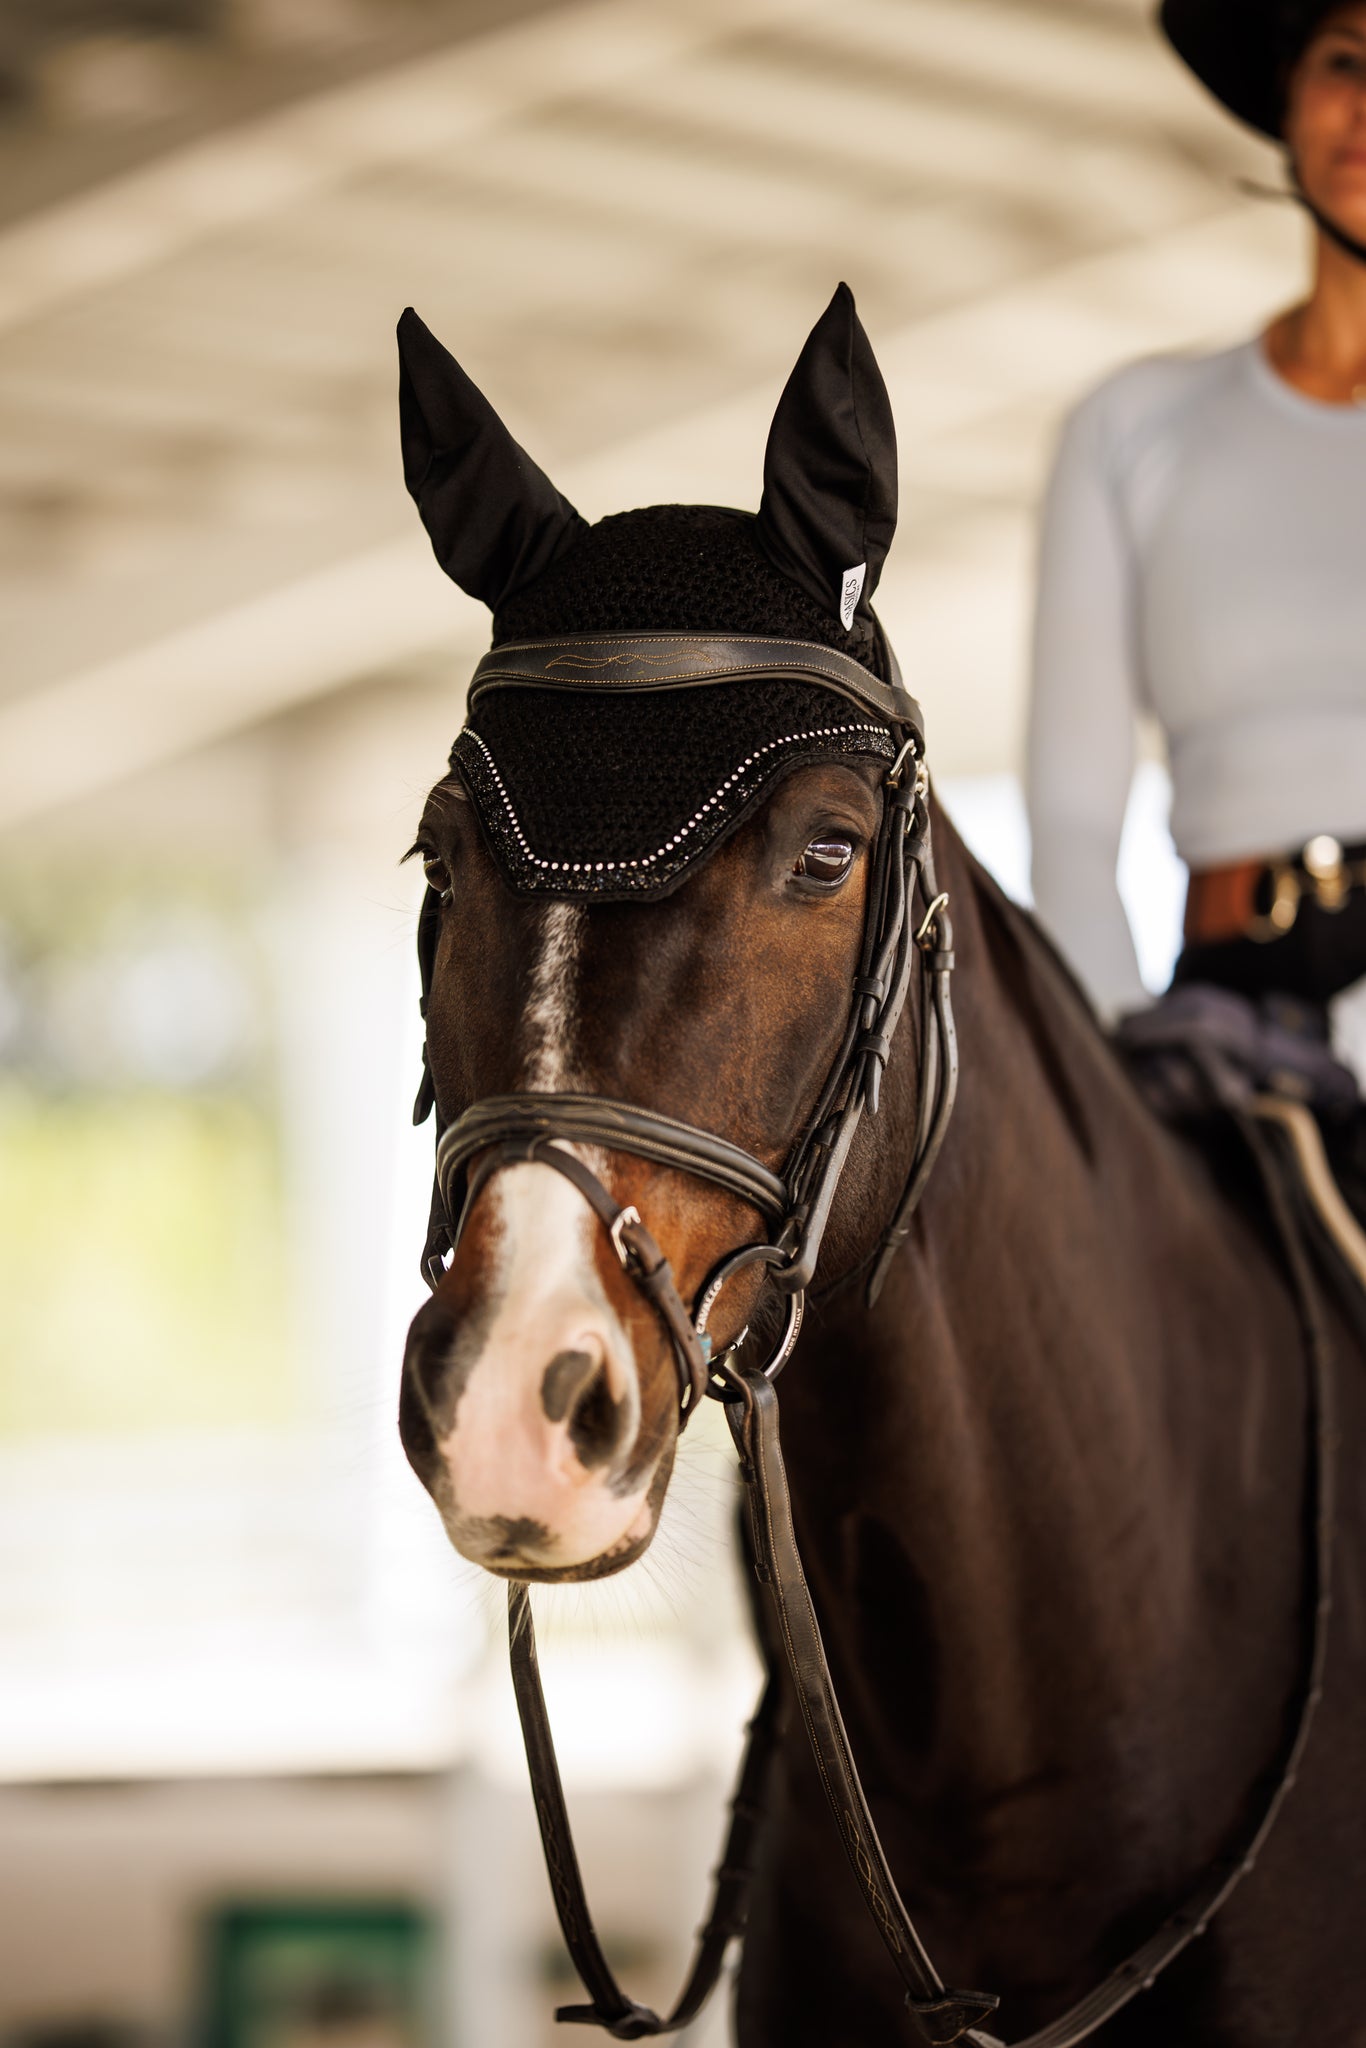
(623, 216)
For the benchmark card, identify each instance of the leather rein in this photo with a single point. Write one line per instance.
(502, 1131)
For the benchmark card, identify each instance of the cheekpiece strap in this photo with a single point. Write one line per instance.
(673, 661)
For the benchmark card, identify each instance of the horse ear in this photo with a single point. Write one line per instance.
(829, 505)
(496, 521)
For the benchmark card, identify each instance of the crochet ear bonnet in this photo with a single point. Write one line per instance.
(651, 677)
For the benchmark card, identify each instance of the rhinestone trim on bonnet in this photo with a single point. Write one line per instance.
(622, 876)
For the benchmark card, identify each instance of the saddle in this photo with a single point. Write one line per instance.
(1201, 1053)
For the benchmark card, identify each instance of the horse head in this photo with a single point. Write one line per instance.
(658, 976)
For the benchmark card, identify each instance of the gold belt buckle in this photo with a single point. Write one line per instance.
(1285, 906)
(1323, 863)
(1329, 878)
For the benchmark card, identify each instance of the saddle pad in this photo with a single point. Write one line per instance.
(1324, 1194)
(1200, 1051)
(1276, 1046)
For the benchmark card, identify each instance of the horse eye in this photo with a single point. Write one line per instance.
(438, 876)
(827, 859)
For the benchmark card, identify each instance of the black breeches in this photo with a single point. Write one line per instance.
(1323, 953)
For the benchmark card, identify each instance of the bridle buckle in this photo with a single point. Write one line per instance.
(927, 938)
(1286, 891)
(623, 1219)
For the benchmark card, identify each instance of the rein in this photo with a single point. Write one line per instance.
(506, 1130)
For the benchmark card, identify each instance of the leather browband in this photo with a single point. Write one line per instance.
(670, 661)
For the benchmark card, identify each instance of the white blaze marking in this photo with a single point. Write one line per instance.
(505, 1457)
(550, 1010)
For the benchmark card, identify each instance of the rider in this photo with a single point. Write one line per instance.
(1202, 560)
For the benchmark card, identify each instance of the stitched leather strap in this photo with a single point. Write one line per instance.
(618, 1126)
(670, 661)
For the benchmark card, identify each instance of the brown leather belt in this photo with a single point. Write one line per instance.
(1260, 899)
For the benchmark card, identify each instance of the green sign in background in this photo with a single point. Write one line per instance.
(331, 1974)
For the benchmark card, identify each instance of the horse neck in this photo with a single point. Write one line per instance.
(1053, 1478)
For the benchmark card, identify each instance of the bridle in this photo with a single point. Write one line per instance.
(508, 1130)
(504, 1130)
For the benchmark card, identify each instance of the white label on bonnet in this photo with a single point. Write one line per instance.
(850, 592)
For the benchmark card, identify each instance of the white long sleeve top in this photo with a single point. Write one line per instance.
(1203, 558)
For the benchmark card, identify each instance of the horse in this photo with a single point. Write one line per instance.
(1052, 1477)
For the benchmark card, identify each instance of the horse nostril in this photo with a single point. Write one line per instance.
(575, 1389)
(428, 1355)
(566, 1377)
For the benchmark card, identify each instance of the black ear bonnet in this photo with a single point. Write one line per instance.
(654, 675)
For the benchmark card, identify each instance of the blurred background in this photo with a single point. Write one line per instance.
(261, 1786)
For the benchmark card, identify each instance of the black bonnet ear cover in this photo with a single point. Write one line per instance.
(829, 505)
(495, 520)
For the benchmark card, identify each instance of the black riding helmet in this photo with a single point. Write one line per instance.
(1243, 51)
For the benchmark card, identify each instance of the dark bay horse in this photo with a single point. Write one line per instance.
(1050, 1489)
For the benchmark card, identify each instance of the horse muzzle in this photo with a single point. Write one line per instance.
(527, 1413)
